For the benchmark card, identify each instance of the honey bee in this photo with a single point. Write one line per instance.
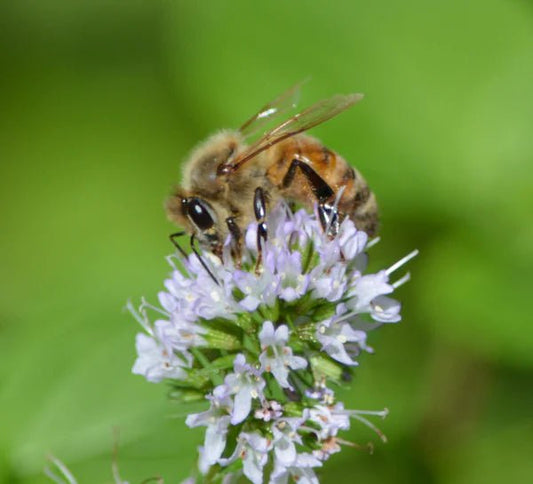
(228, 183)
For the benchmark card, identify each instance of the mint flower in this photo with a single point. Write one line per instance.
(334, 333)
(246, 384)
(285, 437)
(157, 362)
(329, 420)
(300, 471)
(217, 420)
(263, 340)
(253, 449)
(276, 357)
(262, 289)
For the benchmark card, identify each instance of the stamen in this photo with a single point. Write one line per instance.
(373, 242)
(114, 463)
(378, 413)
(61, 467)
(157, 479)
(371, 426)
(141, 319)
(170, 260)
(368, 447)
(346, 316)
(401, 281)
(401, 262)
(146, 304)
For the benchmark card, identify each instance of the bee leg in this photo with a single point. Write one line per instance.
(236, 239)
(260, 214)
(329, 218)
(176, 244)
(327, 212)
(201, 260)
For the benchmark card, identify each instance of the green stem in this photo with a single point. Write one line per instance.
(214, 375)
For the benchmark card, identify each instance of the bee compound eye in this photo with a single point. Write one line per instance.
(184, 206)
(199, 214)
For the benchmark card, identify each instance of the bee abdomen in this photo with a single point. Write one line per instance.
(365, 216)
(359, 203)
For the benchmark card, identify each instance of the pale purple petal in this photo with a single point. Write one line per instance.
(266, 335)
(155, 362)
(282, 334)
(385, 309)
(241, 406)
(255, 456)
(215, 440)
(366, 288)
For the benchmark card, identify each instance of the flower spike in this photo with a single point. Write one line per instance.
(261, 339)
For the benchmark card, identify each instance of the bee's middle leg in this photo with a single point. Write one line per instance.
(327, 211)
(260, 216)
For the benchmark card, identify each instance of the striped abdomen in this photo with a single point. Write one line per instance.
(356, 200)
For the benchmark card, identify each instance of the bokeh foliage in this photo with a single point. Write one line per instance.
(101, 101)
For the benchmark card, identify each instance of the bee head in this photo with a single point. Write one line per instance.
(203, 218)
(201, 171)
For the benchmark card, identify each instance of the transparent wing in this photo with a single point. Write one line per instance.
(283, 103)
(307, 119)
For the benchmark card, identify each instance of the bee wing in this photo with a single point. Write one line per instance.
(308, 118)
(284, 102)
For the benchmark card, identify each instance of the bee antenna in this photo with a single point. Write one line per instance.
(201, 260)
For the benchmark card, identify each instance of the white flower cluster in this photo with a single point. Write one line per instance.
(262, 340)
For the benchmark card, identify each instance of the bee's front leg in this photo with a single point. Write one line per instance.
(173, 238)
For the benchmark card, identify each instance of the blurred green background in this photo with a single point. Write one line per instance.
(101, 101)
